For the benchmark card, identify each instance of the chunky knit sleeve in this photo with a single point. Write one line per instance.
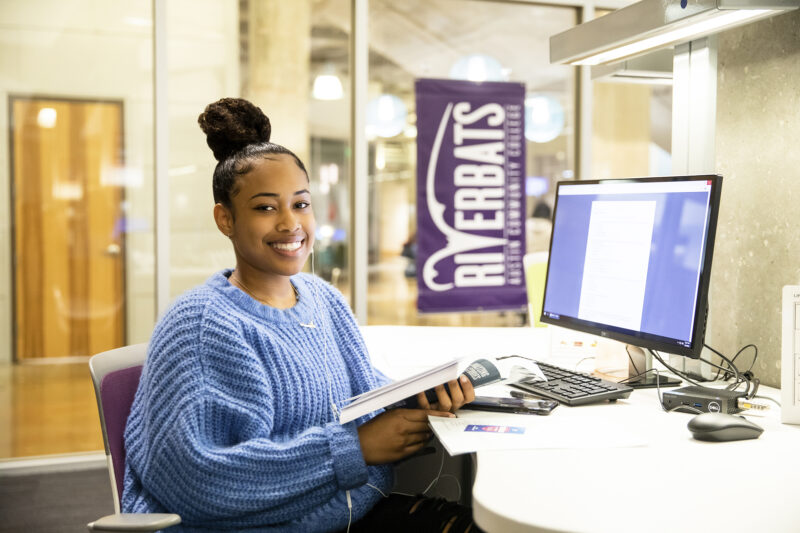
(351, 342)
(200, 437)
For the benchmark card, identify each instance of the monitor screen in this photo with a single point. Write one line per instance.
(630, 259)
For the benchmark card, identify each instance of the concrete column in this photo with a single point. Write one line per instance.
(276, 68)
(757, 250)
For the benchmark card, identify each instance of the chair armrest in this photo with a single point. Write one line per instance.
(134, 522)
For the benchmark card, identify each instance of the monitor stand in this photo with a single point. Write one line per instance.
(640, 361)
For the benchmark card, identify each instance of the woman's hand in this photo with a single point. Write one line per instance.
(461, 392)
(395, 434)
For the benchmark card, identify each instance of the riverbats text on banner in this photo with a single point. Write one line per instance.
(470, 195)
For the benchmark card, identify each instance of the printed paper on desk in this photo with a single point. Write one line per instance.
(530, 433)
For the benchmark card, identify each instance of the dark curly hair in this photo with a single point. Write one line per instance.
(238, 134)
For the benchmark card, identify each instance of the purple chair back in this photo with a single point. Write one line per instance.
(115, 375)
(116, 392)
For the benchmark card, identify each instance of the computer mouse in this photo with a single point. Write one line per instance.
(721, 427)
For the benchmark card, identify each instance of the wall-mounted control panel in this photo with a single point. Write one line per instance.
(790, 358)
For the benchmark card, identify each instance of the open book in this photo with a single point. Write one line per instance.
(394, 392)
(403, 393)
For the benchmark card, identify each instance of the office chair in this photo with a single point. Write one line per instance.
(115, 375)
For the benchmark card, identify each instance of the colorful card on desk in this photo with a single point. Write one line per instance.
(476, 433)
(480, 428)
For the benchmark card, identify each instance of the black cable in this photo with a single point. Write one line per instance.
(738, 379)
(678, 373)
(755, 355)
(683, 375)
(633, 363)
(756, 383)
(718, 367)
(660, 397)
(741, 350)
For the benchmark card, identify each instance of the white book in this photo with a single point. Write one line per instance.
(399, 390)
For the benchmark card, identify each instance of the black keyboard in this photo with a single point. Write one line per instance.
(573, 388)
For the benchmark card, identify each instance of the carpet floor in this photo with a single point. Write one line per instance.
(62, 502)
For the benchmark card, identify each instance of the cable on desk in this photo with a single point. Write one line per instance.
(738, 378)
(658, 390)
(773, 400)
(741, 350)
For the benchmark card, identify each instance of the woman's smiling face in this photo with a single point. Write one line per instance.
(272, 227)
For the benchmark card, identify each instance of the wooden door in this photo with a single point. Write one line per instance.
(69, 285)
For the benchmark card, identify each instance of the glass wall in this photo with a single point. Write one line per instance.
(498, 41)
(76, 228)
(632, 124)
(77, 168)
(631, 130)
(78, 84)
(291, 61)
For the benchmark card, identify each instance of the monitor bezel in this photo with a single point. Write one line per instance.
(649, 340)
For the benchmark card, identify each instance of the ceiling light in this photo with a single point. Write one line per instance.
(544, 118)
(652, 24)
(327, 86)
(386, 116)
(478, 67)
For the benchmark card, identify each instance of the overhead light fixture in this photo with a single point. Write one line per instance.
(386, 116)
(478, 67)
(654, 68)
(327, 85)
(544, 118)
(652, 24)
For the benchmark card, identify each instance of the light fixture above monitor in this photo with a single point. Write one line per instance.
(654, 68)
(652, 24)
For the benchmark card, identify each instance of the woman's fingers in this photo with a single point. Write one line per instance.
(466, 388)
(456, 396)
(422, 401)
(445, 403)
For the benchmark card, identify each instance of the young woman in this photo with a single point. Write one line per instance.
(234, 425)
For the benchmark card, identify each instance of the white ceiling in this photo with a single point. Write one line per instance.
(424, 38)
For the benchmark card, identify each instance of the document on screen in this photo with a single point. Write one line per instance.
(615, 268)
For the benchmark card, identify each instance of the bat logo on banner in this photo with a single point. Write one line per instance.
(483, 269)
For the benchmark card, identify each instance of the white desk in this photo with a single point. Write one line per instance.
(673, 484)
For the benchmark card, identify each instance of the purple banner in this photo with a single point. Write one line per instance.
(470, 195)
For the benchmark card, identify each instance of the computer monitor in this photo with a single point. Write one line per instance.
(630, 259)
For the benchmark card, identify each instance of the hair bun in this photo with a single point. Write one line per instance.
(230, 124)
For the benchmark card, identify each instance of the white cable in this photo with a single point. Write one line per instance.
(379, 490)
(349, 511)
(432, 483)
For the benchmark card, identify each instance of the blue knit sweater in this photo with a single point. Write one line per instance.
(232, 427)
